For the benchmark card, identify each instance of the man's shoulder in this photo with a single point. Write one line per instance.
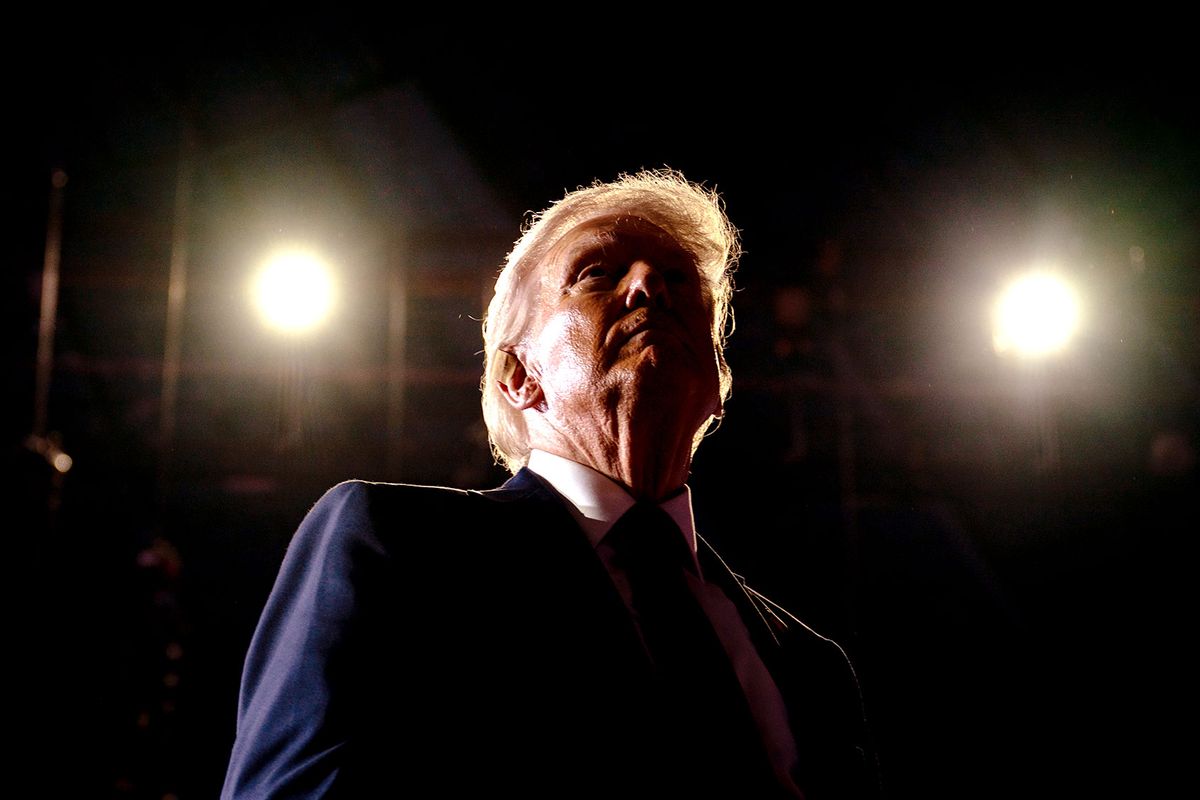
(375, 509)
(794, 632)
(765, 616)
(379, 495)
(352, 493)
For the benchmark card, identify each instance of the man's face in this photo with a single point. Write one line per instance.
(623, 313)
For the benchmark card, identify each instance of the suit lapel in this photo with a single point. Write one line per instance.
(782, 641)
(766, 626)
(576, 597)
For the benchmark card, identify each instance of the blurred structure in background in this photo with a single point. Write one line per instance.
(1001, 542)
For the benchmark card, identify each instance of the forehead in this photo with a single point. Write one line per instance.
(611, 231)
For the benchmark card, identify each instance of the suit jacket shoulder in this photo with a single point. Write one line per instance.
(395, 602)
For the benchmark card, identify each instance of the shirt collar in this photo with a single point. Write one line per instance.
(597, 501)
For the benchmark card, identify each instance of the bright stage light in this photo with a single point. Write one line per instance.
(49, 448)
(1036, 315)
(294, 291)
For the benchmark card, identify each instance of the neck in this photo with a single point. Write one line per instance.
(646, 453)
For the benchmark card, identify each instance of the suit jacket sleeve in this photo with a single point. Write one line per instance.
(293, 734)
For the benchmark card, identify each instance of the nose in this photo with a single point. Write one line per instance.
(646, 286)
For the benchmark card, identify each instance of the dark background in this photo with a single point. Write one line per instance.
(1004, 549)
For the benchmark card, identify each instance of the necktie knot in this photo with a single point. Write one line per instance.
(647, 538)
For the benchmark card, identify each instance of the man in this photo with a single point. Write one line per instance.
(568, 634)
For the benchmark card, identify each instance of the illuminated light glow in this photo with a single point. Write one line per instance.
(1036, 315)
(62, 462)
(48, 448)
(294, 291)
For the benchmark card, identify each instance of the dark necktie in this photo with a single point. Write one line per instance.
(714, 733)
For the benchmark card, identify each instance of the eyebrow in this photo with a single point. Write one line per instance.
(589, 246)
(596, 242)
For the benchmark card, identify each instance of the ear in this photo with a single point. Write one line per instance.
(518, 386)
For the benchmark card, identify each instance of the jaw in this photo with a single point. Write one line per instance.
(636, 425)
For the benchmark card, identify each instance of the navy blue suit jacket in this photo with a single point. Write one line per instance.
(472, 642)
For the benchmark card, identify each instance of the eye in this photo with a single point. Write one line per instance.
(675, 275)
(597, 271)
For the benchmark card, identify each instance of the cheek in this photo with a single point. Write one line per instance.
(565, 357)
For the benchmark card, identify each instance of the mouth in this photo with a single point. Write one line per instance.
(638, 322)
(642, 326)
